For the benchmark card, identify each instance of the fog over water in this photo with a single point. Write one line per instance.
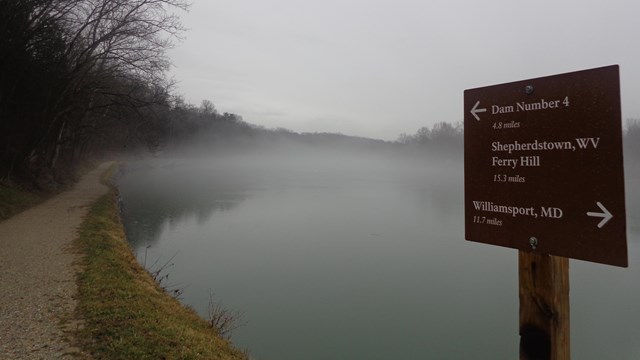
(339, 252)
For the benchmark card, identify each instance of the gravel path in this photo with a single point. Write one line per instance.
(37, 274)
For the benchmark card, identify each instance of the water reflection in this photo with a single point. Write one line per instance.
(155, 195)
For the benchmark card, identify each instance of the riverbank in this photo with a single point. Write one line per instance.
(127, 314)
(87, 298)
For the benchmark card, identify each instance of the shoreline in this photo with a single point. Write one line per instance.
(127, 314)
(74, 290)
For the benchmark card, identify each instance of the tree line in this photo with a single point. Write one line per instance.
(80, 78)
(631, 140)
(443, 138)
(73, 70)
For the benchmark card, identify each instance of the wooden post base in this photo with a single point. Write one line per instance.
(544, 307)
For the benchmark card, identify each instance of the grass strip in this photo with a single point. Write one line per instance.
(127, 315)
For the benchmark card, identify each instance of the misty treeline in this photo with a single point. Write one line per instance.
(82, 79)
(631, 141)
(443, 137)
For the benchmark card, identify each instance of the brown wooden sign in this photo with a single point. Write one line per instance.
(544, 168)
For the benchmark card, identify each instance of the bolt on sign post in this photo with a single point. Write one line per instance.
(544, 174)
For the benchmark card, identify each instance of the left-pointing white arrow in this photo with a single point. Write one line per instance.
(475, 110)
(605, 214)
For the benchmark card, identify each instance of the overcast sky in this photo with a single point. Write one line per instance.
(381, 68)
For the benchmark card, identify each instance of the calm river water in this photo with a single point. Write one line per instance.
(353, 257)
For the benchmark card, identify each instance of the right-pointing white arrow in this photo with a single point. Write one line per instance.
(475, 110)
(605, 214)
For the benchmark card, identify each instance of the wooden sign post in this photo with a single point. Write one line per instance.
(544, 306)
(544, 175)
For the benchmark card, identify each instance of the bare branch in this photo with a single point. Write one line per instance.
(222, 320)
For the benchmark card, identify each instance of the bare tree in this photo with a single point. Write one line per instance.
(105, 54)
(122, 38)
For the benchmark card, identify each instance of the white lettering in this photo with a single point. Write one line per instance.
(551, 212)
(495, 109)
(540, 105)
(514, 211)
(496, 161)
(538, 145)
(583, 143)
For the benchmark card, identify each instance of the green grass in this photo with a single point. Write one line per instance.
(126, 314)
(14, 200)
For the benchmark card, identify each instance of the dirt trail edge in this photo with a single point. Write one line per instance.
(37, 274)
